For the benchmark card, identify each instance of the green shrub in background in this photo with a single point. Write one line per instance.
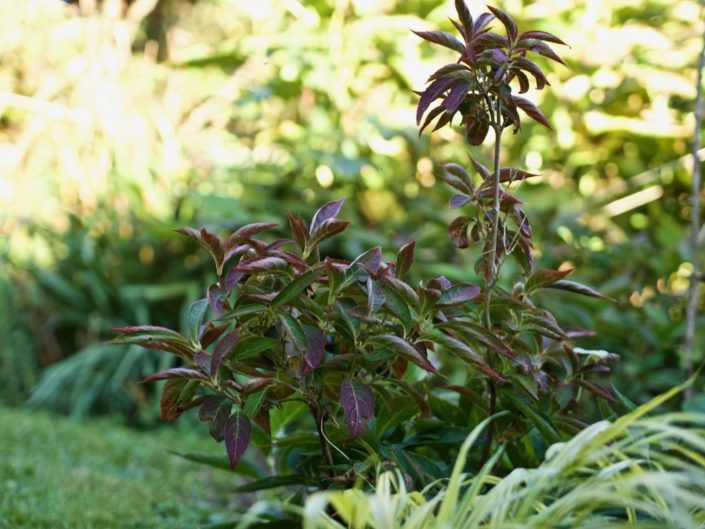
(100, 281)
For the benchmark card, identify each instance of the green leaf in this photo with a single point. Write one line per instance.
(220, 460)
(398, 307)
(196, 313)
(572, 286)
(272, 482)
(254, 402)
(540, 420)
(398, 411)
(543, 277)
(458, 294)
(405, 349)
(294, 331)
(463, 351)
(296, 287)
(249, 346)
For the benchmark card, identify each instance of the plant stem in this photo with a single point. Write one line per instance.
(695, 277)
(493, 268)
(319, 418)
(493, 272)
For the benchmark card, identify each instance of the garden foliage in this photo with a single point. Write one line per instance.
(638, 471)
(286, 331)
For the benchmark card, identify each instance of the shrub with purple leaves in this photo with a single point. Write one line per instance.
(391, 374)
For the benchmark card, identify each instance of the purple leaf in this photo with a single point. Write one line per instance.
(532, 110)
(541, 35)
(224, 347)
(264, 264)
(299, 230)
(596, 389)
(499, 57)
(315, 349)
(431, 116)
(175, 372)
(522, 221)
(465, 352)
(458, 294)
(533, 68)
(476, 130)
(488, 338)
(358, 405)
(465, 16)
(210, 407)
(544, 49)
(232, 278)
(527, 263)
(216, 410)
(293, 260)
(328, 211)
(574, 332)
(325, 230)
(456, 96)
(404, 260)
(482, 21)
(459, 27)
(457, 177)
(506, 20)
(543, 277)
(572, 286)
(405, 349)
(235, 251)
(523, 82)
(237, 436)
(442, 38)
(371, 260)
(243, 234)
(203, 360)
(490, 40)
(458, 232)
(254, 385)
(433, 90)
(150, 330)
(512, 174)
(216, 298)
(174, 395)
(484, 171)
(439, 283)
(214, 244)
(447, 70)
(189, 232)
(458, 201)
(212, 333)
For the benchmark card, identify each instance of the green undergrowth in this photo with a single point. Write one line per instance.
(56, 473)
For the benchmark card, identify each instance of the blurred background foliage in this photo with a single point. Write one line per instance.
(121, 120)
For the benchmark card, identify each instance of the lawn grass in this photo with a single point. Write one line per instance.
(56, 473)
